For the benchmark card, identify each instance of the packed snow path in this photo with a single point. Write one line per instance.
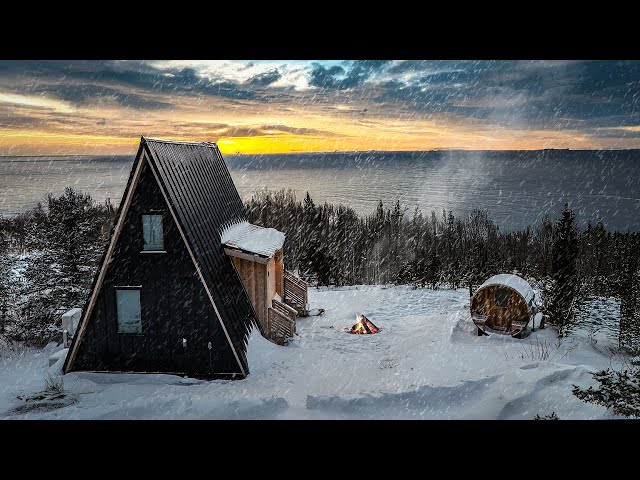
(427, 363)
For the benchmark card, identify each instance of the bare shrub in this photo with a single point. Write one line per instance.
(538, 351)
(53, 384)
(10, 351)
(551, 416)
(387, 364)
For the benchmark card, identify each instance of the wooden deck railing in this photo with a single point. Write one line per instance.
(295, 291)
(284, 309)
(282, 322)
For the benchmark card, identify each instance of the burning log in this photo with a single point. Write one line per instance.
(364, 326)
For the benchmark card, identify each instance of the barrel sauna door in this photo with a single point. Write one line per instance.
(502, 300)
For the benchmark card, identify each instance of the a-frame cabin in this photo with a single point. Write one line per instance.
(167, 296)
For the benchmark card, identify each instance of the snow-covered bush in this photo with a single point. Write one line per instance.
(618, 391)
(62, 246)
(629, 292)
(4, 282)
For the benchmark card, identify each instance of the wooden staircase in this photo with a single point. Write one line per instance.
(282, 322)
(295, 293)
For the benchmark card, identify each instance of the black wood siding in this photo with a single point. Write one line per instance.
(173, 300)
(205, 200)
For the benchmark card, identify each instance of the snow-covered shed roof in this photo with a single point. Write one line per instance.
(253, 238)
(519, 284)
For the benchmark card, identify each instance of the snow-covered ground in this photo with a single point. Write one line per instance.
(427, 363)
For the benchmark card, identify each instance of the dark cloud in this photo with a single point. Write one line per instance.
(268, 129)
(520, 94)
(227, 130)
(265, 78)
(87, 94)
(409, 66)
(443, 66)
(239, 131)
(423, 99)
(187, 80)
(614, 133)
(119, 78)
(18, 117)
(9, 119)
(298, 131)
(336, 77)
(325, 77)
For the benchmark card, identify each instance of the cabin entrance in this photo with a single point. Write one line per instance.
(493, 307)
(499, 315)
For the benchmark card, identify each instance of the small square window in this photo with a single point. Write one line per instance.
(128, 311)
(152, 232)
(502, 297)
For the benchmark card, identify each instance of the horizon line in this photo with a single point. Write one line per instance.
(357, 151)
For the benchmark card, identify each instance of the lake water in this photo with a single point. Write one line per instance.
(516, 188)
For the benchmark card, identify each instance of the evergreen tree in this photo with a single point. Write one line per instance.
(324, 260)
(629, 294)
(395, 242)
(4, 280)
(618, 391)
(380, 244)
(433, 267)
(417, 254)
(67, 250)
(542, 246)
(477, 249)
(562, 295)
(310, 241)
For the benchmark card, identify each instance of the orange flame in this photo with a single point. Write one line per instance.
(364, 326)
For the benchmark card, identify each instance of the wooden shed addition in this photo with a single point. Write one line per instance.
(168, 296)
(504, 303)
(277, 296)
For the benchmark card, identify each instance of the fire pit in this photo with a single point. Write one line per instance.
(363, 326)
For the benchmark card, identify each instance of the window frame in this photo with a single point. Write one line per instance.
(507, 297)
(152, 213)
(115, 298)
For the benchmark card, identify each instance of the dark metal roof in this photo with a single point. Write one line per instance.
(205, 200)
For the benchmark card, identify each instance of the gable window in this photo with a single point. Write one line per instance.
(152, 233)
(128, 310)
(502, 297)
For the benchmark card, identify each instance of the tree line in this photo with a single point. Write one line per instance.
(333, 245)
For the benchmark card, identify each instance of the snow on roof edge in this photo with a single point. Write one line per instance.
(252, 238)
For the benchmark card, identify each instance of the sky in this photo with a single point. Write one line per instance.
(272, 106)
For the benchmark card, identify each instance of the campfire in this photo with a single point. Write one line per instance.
(364, 326)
